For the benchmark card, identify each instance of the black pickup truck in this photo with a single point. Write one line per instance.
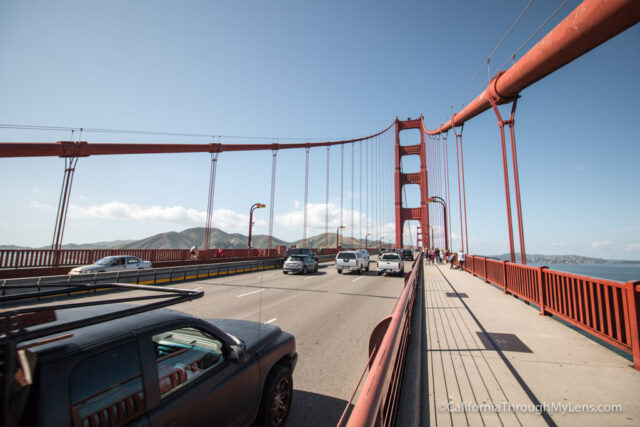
(115, 364)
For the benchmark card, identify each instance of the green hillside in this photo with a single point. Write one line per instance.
(219, 239)
(195, 236)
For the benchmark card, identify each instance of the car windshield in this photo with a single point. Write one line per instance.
(296, 258)
(107, 260)
(391, 257)
(346, 255)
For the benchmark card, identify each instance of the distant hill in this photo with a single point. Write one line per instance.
(195, 236)
(317, 241)
(563, 259)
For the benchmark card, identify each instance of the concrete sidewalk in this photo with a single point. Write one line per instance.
(540, 362)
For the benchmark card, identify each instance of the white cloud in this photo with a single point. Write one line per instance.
(290, 223)
(632, 247)
(317, 215)
(224, 219)
(602, 244)
(37, 205)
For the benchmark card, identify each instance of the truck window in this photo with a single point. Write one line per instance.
(106, 389)
(346, 255)
(182, 355)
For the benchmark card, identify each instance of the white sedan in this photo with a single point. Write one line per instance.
(112, 263)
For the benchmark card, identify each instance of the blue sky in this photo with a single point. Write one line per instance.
(330, 69)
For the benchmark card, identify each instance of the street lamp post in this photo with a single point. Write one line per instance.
(444, 206)
(253, 208)
(338, 236)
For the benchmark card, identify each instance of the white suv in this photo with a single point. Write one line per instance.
(352, 261)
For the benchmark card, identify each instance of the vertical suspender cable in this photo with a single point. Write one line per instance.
(505, 171)
(341, 186)
(212, 187)
(353, 148)
(273, 188)
(63, 207)
(306, 197)
(61, 202)
(516, 179)
(446, 162)
(378, 190)
(366, 191)
(459, 194)
(360, 195)
(464, 197)
(326, 206)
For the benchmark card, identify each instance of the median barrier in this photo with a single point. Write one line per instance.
(150, 276)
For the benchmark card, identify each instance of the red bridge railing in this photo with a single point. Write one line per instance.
(31, 258)
(606, 309)
(377, 403)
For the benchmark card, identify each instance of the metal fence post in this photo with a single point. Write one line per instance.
(542, 298)
(504, 275)
(486, 275)
(633, 310)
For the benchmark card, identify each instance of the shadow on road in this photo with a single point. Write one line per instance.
(313, 409)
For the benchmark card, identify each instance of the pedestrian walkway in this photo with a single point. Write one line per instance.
(493, 360)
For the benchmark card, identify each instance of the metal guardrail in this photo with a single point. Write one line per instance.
(151, 276)
(377, 403)
(30, 258)
(606, 309)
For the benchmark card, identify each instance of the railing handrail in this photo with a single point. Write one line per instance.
(367, 409)
(606, 309)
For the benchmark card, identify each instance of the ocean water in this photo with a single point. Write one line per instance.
(617, 272)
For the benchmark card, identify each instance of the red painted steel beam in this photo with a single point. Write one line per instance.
(589, 25)
(85, 149)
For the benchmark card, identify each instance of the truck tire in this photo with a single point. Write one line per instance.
(276, 398)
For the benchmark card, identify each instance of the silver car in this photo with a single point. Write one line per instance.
(112, 263)
(300, 264)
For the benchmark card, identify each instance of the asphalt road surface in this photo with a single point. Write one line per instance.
(331, 316)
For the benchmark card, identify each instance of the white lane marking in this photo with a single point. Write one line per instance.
(249, 293)
(267, 275)
(307, 278)
(361, 277)
(272, 320)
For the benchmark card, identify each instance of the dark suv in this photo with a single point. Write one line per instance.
(300, 251)
(155, 367)
(406, 254)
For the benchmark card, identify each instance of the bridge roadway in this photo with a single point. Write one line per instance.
(330, 314)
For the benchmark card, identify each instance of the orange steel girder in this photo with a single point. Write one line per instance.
(420, 213)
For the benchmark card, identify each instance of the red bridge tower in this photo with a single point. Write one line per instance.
(420, 213)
